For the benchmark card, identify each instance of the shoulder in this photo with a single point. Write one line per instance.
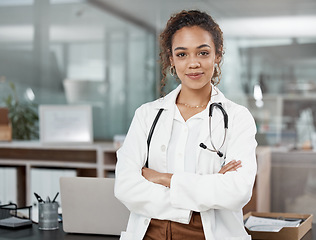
(236, 108)
(147, 112)
(149, 107)
(237, 112)
(240, 118)
(165, 102)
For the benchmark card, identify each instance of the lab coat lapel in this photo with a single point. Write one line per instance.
(168, 104)
(158, 155)
(167, 123)
(164, 126)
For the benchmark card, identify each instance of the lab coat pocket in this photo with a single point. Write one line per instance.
(248, 237)
(126, 236)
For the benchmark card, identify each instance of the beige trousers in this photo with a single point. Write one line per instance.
(164, 229)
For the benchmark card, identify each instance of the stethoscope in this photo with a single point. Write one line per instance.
(217, 150)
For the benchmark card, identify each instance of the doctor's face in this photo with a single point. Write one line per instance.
(193, 55)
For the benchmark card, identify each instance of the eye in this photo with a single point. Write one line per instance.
(181, 55)
(204, 53)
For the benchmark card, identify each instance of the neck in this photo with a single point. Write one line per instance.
(195, 97)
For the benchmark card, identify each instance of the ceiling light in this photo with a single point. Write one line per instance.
(294, 26)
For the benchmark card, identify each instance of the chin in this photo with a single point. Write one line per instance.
(197, 85)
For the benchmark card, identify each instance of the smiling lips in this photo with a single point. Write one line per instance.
(195, 76)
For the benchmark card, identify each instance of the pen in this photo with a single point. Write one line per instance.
(39, 199)
(55, 196)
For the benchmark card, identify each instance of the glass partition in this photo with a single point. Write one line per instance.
(274, 78)
(71, 52)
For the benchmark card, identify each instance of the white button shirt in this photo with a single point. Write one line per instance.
(184, 142)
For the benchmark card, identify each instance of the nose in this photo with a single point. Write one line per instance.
(194, 63)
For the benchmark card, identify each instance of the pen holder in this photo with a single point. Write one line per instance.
(48, 216)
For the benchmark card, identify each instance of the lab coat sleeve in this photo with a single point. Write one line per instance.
(231, 190)
(131, 188)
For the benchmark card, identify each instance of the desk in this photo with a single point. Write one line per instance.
(35, 234)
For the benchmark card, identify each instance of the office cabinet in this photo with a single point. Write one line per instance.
(89, 160)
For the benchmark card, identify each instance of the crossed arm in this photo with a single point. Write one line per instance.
(165, 178)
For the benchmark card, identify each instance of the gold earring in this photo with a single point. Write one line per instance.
(172, 70)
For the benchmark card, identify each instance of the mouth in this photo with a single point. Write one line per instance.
(195, 75)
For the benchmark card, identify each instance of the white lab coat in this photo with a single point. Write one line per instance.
(218, 197)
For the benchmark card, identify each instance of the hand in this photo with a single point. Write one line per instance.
(231, 166)
(157, 177)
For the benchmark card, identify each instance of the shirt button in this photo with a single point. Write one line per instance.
(146, 221)
(163, 148)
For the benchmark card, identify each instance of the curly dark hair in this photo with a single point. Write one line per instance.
(189, 19)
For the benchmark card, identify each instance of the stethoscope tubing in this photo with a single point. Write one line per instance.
(225, 116)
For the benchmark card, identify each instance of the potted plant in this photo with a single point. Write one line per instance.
(23, 116)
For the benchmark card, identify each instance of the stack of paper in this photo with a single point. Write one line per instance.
(268, 224)
(15, 222)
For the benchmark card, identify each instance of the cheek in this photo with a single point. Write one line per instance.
(180, 67)
(209, 65)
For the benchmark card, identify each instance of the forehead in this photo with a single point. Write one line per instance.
(191, 37)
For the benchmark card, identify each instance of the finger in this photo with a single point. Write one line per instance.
(239, 166)
(229, 165)
(235, 167)
(234, 163)
(226, 168)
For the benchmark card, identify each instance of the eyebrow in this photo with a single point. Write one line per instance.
(201, 46)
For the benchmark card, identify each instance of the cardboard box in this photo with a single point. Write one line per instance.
(5, 126)
(5, 133)
(286, 233)
(4, 116)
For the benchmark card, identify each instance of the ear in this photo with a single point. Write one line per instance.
(171, 61)
(218, 59)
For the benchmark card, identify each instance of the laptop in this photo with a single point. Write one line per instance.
(89, 206)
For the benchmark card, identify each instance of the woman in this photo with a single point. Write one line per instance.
(185, 193)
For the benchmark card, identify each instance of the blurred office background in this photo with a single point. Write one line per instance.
(105, 53)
